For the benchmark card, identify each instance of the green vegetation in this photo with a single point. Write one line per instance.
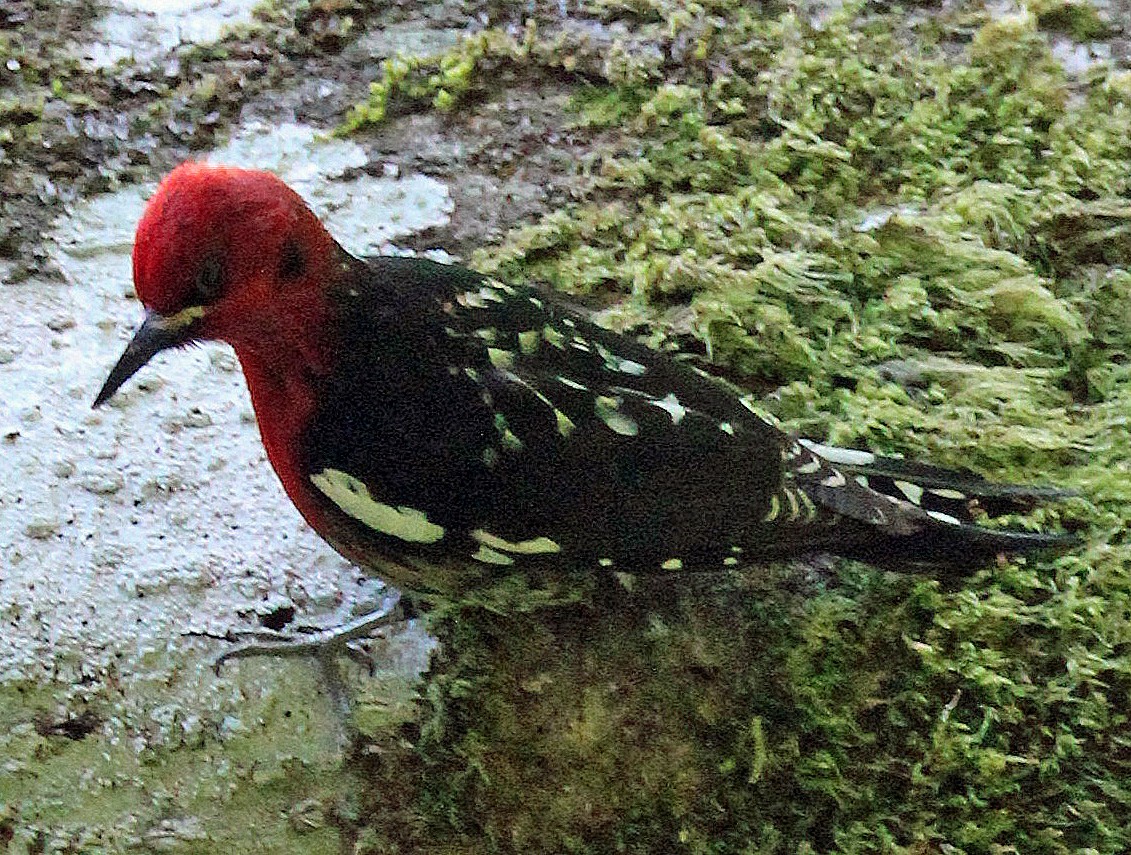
(919, 237)
(1080, 20)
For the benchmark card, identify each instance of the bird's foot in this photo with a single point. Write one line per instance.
(320, 642)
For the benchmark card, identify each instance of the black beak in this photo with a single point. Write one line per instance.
(157, 333)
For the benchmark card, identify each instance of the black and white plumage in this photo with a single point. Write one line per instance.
(469, 423)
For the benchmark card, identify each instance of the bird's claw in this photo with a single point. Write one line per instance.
(317, 641)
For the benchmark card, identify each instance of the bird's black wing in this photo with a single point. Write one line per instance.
(473, 418)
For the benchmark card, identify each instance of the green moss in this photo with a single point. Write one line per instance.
(922, 249)
(1077, 18)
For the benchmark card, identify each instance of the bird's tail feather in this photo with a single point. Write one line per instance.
(926, 511)
(961, 549)
(936, 488)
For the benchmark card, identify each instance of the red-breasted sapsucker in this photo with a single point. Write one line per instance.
(437, 426)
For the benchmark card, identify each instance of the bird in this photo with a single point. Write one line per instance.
(440, 427)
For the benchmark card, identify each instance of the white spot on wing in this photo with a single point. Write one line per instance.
(945, 518)
(489, 556)
(565, 423)
(674, 408)
(510, 440)
(471, 300)
(573, 384)
(553, 337)
(488, 293)
(607, 410)
(528, 341)
(352, 497)
(794, 505)
(810, 508)
(843, 456)
(765, 415)
(533, 546)
(913, 492)
(500, 358)
(613, 362)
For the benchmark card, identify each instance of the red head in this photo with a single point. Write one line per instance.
(231, 254)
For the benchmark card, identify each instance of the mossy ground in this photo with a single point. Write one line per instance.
(913, 231)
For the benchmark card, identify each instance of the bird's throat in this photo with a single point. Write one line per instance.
(283, 384)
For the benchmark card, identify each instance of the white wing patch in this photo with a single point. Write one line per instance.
(674, 408)
(843, 456)
(534, 546)
(614, 362)
(352, 496)
(608, 411)
(944, 518)
(490, 556)
(913, 492)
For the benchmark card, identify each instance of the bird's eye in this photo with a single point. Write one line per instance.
(210, 280)
(292, 263)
